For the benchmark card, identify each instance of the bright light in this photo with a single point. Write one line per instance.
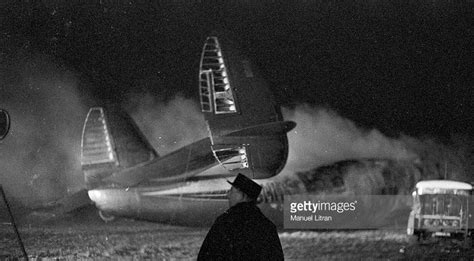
(95, 195)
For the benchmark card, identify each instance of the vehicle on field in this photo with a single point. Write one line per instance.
(441, 208)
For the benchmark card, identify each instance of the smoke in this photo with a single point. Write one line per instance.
(169, 125)
(453, 160)
(330, 154)
(40, 156)
(322, 137)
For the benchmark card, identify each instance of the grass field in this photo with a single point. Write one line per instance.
(90, 239)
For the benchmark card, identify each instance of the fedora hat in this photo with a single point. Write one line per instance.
(247, 186)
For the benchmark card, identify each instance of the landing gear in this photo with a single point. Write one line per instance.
(106, 216)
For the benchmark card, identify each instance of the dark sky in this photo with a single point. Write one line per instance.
(398, 66)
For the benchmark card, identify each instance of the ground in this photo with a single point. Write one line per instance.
(47, 238)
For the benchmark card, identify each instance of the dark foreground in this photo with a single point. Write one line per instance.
(47, 238)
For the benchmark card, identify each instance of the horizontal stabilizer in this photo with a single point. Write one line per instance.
(176, 166)
(267, 129)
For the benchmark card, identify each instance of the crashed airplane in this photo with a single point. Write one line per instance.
(126, 177)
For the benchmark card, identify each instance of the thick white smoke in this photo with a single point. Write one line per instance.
(322, 137)
(40, 156)
(169, 125)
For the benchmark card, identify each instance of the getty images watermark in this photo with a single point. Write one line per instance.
(346, 211)
(318, 207)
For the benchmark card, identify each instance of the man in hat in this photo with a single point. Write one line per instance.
(242, 232)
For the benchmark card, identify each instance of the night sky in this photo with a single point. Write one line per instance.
(398, 67)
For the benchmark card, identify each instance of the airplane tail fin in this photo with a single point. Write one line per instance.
(246, 126)
(111, 141)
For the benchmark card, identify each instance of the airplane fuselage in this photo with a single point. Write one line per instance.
(192, 203)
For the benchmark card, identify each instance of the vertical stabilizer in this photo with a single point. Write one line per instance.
(233, 93)
(97, 141)
(111, 142)
(246, 127)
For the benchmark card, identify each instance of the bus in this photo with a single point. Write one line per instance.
(441, 208)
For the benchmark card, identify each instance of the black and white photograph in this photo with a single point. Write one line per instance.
(236, 130)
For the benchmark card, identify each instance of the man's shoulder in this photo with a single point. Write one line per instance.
(225, 217)
(246, 214)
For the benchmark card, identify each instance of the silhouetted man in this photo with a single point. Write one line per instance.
(242, 232)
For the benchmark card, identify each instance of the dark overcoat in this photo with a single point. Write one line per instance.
(242, 233)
